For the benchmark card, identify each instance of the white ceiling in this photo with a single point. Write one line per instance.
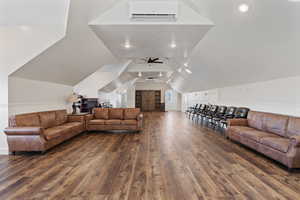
(150, 39)
(259, 45)
(78, 54)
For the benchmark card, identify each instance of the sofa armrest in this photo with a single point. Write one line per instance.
(76, 118)
(24, 131)
(237, 122)
(295, 140)
(140, 117)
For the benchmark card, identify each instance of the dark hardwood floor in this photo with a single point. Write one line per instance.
(172, 159)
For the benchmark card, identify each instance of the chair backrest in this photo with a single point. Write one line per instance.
(222, 110)
(202, 107)
(241, 112)
(214, 108)
(207, 109)
(230, 111)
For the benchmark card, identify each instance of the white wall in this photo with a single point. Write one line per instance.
(31, 96)
(3, 109)
(277, 96)
(113, 98)
(90, 86)
(130, 97)
(174, 103)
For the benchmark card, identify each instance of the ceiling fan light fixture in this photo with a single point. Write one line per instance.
(140, 74)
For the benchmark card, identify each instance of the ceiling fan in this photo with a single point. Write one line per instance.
(152, 60)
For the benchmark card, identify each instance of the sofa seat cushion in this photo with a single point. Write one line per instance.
(129, 122)
(280, 144)
(55, 132)
(72, 125)
(97, 122)
(113, 122)
(240, 129)
(256, 135)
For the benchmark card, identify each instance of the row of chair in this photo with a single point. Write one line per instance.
(216, 115)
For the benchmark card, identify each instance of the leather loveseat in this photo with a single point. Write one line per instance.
(42, 130)
(276, 136)
(106, 119)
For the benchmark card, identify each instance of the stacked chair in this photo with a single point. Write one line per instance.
(214, 115)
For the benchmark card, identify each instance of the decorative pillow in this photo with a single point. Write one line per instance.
(131, 113)
(48, 119)
(116, 113)
(27, 120)
(101, 113)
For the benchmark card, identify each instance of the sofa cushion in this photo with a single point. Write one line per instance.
(293, 128)
(97, 122)
(61, 117)
(239, 129)
(275, 123)
(55, 132)
(256, 135)
(116, 113)
(48, 119)
(101, 113)
(255, 120)
(129, 122)
(113, 122)
(32, 120)
(72, 125)
(131, 113)
(280, 144)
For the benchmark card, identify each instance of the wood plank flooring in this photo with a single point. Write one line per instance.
(172, 159)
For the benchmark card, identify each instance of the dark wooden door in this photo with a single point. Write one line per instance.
(148, 101)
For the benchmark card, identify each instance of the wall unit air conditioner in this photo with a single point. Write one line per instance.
(153, 10)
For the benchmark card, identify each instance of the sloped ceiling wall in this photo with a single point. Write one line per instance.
(262, 44)
(78, 54)
(28, 28)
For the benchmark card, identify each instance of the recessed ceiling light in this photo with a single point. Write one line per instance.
(243, 8)
(179, 70)
(188, 71)
(127, 45)
(160, 74)
(173, 45)
(140, 74)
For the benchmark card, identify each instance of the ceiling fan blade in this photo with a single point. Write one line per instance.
(155, 59)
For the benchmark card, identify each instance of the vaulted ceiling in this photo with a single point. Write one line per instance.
(257, 45)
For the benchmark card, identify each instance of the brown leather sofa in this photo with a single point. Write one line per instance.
(104, 119)
(42, 130)
(276, 136)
